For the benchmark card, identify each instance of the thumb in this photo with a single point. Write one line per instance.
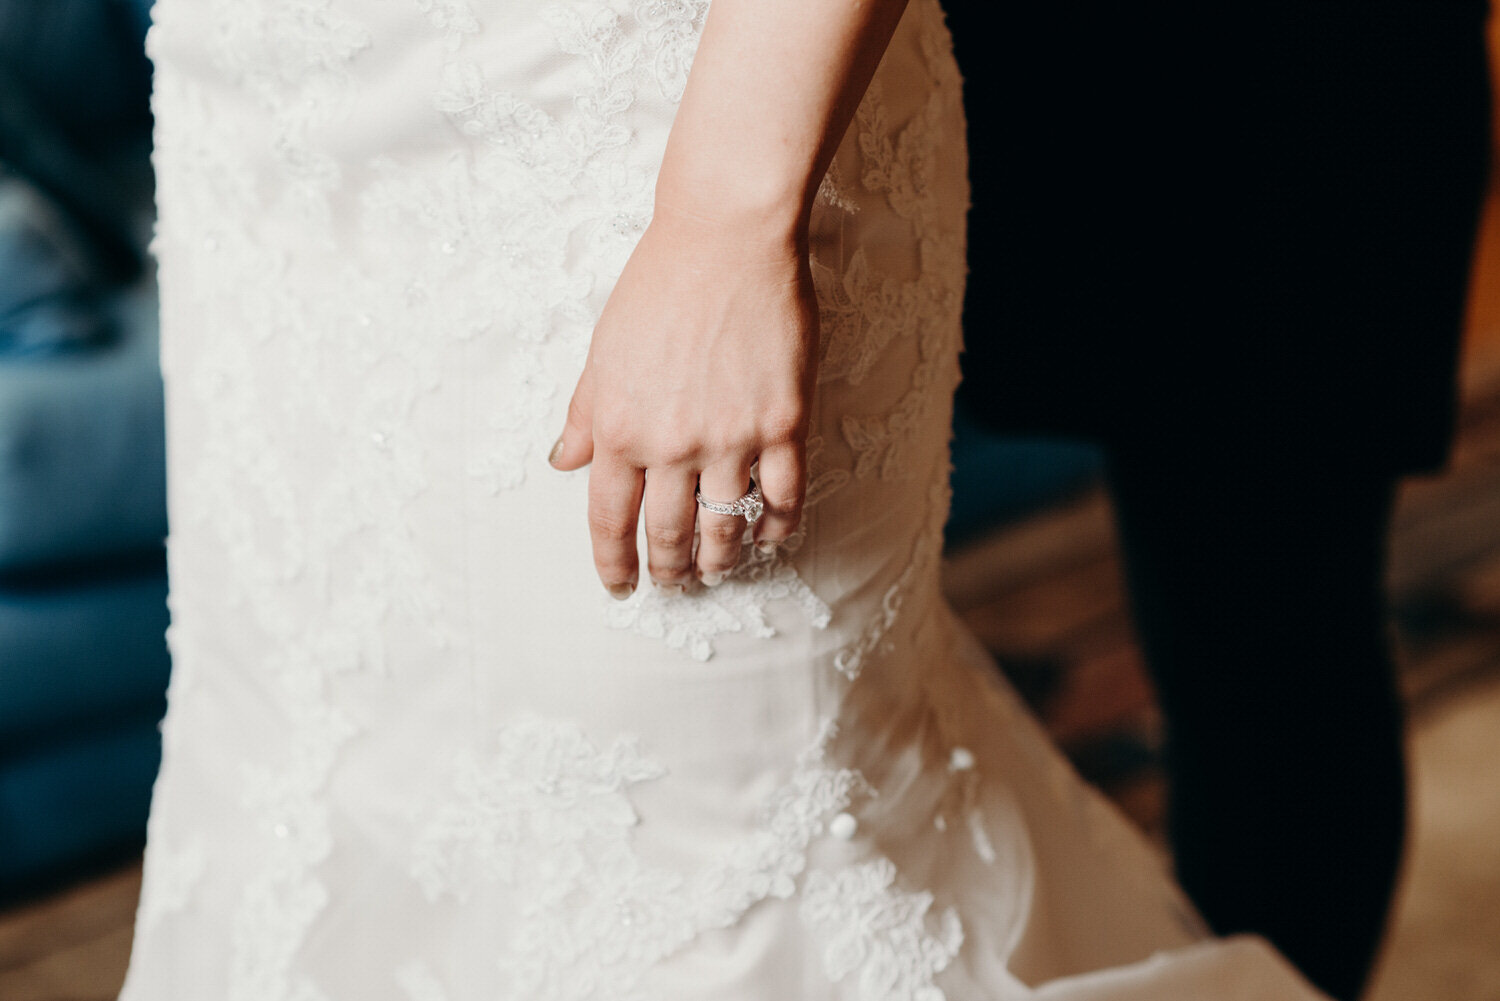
(575, 448)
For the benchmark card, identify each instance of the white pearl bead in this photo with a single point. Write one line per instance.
(843, 826)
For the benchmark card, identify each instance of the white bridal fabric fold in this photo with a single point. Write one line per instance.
(414, 751)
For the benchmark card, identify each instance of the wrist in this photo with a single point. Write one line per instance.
(762, 206)
(730, 219)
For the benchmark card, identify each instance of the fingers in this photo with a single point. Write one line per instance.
(615, 489)
(720, 535)
(575, 448)
(620, 493)
(670, 510)
(783, 483)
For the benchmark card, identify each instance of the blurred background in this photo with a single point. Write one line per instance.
(1032, 563)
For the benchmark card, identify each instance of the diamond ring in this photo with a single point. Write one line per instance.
(750, 506)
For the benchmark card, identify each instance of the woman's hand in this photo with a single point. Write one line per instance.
(702, 364)
(703, 360)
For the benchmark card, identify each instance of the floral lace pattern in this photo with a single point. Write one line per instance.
(874, 638)
(548, 818)
(690, 621)
(879, 932)
(869, 314)
(283, 538)
(500, 251)
(672, 28)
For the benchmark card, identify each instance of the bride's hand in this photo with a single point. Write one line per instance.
(702, 364)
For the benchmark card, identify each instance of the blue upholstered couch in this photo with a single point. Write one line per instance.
(83, 663)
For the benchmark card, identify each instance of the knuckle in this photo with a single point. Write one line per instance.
(669, 537)
(611, 527)
(779, 528)
(675, 452)
(613, 439)
(721, 531)
(720, 564)
(787, 508)
(782, 421)
(673, 570)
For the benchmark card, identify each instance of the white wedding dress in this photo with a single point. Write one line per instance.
(414, 751)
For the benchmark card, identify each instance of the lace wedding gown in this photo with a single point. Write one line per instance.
(414, 751)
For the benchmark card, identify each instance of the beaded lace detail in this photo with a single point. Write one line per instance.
(690, 621)
(547, 816)
(330, 572)
(878, 933)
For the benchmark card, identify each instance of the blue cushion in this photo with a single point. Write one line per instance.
(74, 652)
(71, 801)
(50, 283)
(82, 450)
(998, 479)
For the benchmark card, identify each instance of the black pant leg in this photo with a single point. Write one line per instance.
(1258, 597)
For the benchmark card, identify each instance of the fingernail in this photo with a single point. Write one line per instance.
(765, 546)
(555, 454)
(620, 592)
(672, 588)
(712, 579)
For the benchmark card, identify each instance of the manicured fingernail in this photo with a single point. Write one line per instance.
(712, 579)
(556, 452)
(672, 588)
(765, 546)
(620, 592)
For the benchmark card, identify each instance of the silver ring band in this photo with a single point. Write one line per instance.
(750, 506)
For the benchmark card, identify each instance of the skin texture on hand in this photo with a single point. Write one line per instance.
(703, 361)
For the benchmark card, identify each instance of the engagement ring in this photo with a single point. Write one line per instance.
(749, 507)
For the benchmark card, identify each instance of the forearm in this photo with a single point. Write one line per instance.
(773, 87)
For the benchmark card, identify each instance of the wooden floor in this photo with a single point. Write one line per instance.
(1046, 596)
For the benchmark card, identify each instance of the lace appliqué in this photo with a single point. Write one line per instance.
(926, 551)
(822, 480)
(548, 816)
(672, 29)
(860, 313)
(833, 193)
(455, 18)
(868, 314)
(175, 873)
(318, 565)
(690, 621)
(879, 932)
(512, 216)
(543, 779)
(292, 56)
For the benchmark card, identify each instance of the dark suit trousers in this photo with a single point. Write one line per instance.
(1231, 245)
(1258, 602)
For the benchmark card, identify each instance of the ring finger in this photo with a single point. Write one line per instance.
(720, 535)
